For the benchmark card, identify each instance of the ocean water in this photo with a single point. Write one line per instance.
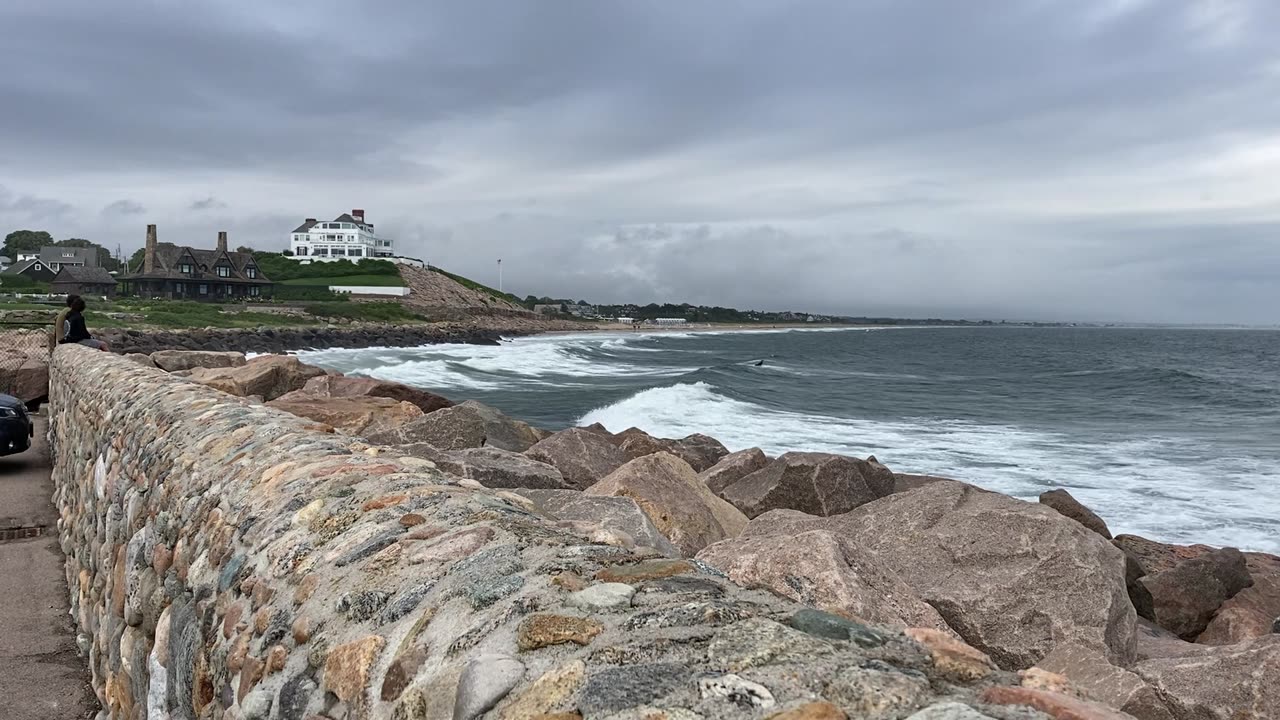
(1171, 434)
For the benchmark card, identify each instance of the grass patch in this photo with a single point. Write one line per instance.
(29, 306)
(371, 312)
(368, 280)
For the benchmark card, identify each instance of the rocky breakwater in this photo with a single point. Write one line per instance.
(227, 559)
(283, 339)
(230, 560)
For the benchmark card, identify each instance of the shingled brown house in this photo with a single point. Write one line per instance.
(186, 273)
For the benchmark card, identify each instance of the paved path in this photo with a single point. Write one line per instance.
(41, 675)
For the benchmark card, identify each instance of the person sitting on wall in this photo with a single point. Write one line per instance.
(59, 325)
(75, 330)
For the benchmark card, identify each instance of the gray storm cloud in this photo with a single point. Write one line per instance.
(1059, 160)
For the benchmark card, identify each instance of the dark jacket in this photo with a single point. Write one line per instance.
(76, 330)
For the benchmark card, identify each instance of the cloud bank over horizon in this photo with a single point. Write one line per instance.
(1058, 160)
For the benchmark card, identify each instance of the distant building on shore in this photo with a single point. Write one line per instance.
(32, 269)
(186, 273)
(669, 321)
(346, 237)
(80, 280)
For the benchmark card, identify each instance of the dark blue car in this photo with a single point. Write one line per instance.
(16, 428)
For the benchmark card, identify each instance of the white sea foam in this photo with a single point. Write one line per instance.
(544, 359)
(1142, 486)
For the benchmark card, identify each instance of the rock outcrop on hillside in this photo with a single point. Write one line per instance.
(938, 588)
(434, 290)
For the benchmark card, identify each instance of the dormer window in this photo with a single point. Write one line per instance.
(251, 272)
(224, 271)
(186, 268)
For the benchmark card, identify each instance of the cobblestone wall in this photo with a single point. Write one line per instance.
(227, 560)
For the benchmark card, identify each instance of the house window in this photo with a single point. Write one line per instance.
(302, 250)
(322, 251)
(255, 291)
(356, 252)
(251, 272)
(204, 289)
(185, 268)
(179, 288)
(224, 271)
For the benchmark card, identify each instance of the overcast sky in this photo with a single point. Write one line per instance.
(1111, 160)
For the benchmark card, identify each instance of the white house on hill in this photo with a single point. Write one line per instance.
(346, 237)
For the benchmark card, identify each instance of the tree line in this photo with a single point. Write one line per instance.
(29, 241)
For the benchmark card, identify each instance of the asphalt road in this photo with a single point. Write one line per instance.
(42, 677)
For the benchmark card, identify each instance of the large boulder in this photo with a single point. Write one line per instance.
(1185, 597)
(814, 483)
(583, 457)
(616, 515)
(355, 416)
(469, 425)
(1229, 682)
(1063, 502)
(670, 493)
(268, 377)
(733, 467)
(344, 386)
(637, 443)
(906, 482)
(1155, 557)
(822, 569)
(175, 360)
(31, 379)
(1253, 611)
(1089, 672)
(495, 468)
(700, 451)
(1154, 641)
(1013, 578)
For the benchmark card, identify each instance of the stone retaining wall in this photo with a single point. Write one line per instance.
(228, 560)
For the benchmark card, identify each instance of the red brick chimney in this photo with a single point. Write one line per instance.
(149, 253)
(222, 241)
(358, 214)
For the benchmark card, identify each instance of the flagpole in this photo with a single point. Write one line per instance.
(500, 275)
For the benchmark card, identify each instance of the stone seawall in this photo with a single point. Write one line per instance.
(229, 560)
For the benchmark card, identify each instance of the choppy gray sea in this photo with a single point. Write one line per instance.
(1171, 434)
